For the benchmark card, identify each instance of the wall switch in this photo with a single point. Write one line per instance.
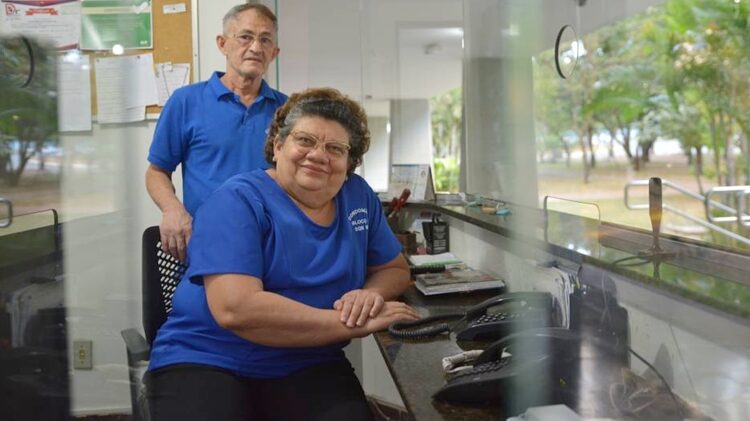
(82, 354)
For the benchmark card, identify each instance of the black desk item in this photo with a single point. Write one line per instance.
(491, 319)
(515, 382)
(435, 235)
(507, 313)
(542, 369)
(431, 268)
(160, 275)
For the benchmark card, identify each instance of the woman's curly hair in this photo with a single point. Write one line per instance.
(327, 103)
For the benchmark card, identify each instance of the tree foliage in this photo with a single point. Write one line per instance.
(446, 139)
(678, 71)
(28, 110)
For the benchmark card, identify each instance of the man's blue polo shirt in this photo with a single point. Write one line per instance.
(205, 127)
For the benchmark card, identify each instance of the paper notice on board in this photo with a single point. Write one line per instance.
(55, 21)
(124, 87)
(73, 92)
(106, 24)
(169, 9)
(170, 77)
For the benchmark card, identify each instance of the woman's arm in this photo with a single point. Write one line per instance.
(239, 303)
(385, 282)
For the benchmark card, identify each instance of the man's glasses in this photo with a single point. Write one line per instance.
(246, 38)
(307, 142)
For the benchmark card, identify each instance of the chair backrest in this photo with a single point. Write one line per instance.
(161, 274)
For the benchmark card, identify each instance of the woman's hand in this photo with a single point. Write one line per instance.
(357, 305)
(393, 311)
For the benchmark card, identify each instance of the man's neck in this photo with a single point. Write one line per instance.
(246, 88)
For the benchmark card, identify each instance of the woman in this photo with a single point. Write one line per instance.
(286, 265)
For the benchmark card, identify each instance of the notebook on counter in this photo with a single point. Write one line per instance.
(456, 278)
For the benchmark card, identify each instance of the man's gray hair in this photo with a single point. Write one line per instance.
(259, 9)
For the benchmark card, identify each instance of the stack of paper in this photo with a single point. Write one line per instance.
(456, 278)
(433, 259)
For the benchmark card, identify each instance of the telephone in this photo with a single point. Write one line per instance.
(489, 320)
(537, 367)
(506, 313)
(528, 368)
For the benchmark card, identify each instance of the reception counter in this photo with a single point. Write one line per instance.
(685, 314)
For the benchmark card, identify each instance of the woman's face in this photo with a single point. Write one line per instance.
(314, 157)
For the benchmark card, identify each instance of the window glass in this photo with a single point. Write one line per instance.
(658, 93)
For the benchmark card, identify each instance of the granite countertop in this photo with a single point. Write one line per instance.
(416, 368)
(704, 273)
(416, 365)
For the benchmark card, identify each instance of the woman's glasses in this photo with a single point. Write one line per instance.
(307, 142)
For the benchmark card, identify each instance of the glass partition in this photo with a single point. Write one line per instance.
(595, 102)
(548, 105)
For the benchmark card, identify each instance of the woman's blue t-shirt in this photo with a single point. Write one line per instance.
(251, 226)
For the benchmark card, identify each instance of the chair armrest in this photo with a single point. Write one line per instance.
(137, 347)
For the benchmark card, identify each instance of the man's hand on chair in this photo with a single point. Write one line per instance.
(176, 229)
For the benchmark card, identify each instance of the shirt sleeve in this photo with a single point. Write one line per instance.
(382, 243)
(228, 232)
(169, 143)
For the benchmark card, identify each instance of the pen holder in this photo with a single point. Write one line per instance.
(395, 224)
(407, 239)
(408, 242)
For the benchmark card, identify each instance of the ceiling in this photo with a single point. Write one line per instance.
(415, 48)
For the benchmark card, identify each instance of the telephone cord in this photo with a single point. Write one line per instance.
(423, 328)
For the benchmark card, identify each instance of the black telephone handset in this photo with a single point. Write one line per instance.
(528, 375)
(489, 320)
(504, 314)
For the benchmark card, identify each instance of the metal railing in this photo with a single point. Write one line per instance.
(738, 214)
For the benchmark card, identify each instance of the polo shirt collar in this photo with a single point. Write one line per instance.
(220, 90)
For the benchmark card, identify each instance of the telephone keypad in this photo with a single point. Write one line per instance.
(485, 368)
(496, 317)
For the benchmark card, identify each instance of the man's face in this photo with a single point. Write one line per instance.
(249, 44)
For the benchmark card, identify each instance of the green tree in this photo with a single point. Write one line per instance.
(446, 139)
(28, 110)
(710, 44)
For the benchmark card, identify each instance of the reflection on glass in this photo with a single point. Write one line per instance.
(29, 159)
(33, 333)
(567, 50)
(658, 93)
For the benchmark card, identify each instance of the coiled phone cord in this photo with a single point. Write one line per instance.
(423, 328)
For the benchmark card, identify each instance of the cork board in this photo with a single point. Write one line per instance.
(173, 37)
(172, 42)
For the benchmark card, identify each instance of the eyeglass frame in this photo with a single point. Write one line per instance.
(242, 39)
(346, 146)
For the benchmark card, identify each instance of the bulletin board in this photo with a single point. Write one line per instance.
(172, 42)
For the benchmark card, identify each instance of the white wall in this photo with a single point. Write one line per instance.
(411, 133)
(376, 161)
(106, 208)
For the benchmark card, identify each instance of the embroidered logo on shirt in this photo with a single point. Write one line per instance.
(358, 218)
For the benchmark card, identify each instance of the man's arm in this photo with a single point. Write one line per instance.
(176, 222)
(239, 303)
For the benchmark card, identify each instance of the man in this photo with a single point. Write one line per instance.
(216, 128)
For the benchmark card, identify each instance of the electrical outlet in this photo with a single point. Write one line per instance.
(82, 354)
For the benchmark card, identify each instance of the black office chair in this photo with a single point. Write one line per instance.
(160, 275)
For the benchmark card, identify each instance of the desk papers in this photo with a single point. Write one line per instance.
(456, 278)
